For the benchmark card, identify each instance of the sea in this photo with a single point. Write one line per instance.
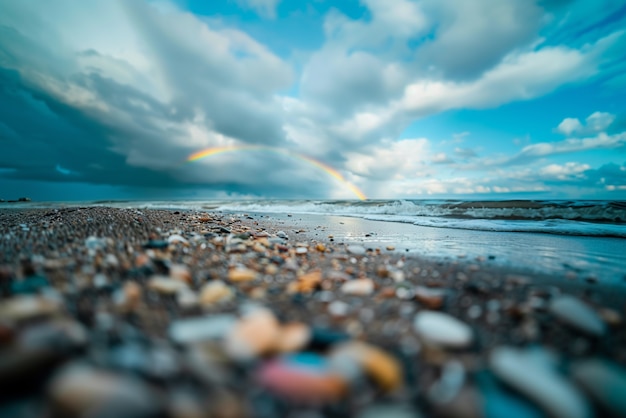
(571, 238)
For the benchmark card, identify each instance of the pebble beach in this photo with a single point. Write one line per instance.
(111, 312)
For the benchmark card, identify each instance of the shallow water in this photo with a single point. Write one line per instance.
(598, 257)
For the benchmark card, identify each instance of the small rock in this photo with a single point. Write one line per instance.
(499, 402)
(63, 335)
(612, 317)
(338, 276)
(381, 367)
(166, 285)
(390, 248)
(358, 287)
(293, 337)
(177, 239)
(301, 250)
(307, 282)
(95, 243)
(338, 308)
(29, 285)
(22, 308)
(253, 336)
(356, 249)
(578, 315)
(215, 291)
(81, 391)
(322, 338)
(431, 298)
(213, 327)
(528, 373)
(241, 274)
(303, 378)
(156, 244)
(181, 272)
(442, 329)
(282, 234)
(187, 298)
(391, 410)
(605, 382)
(132, 295)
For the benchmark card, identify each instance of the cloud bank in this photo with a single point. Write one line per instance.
(119, 93)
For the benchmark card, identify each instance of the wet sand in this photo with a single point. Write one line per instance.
(126, 312)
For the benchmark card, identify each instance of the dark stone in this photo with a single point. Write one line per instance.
(156, 244)
(29, 285)
(322, 338)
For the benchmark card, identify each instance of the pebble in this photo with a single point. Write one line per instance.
(338, 308)
(390, 410)
(294, 336)
(499, 402)
(181, 272)
(323, 338)
(431, 298)
(29, 285)
(211, 327)
(307, 282)
(61, 335)
(156, 244)
(132, 295)
(604, 381)
(241, 274)
(165, 285)
(215, 291)
(177, 239)
(358, 287)
(356, 249)
(442, 329)
(303, 378)
(95, 243)
(380, 366)
(187, 299)
(80, 391)
(578, 315)
(253, 336)
(21, 308)
(529, 373)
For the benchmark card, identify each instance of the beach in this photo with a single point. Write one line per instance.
(135, 311)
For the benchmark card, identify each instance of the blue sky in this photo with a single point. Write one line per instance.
(105, 99)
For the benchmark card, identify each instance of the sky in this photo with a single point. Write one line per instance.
(318, 99)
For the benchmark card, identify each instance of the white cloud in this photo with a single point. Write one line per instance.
(569, 125)
(600, 141)
(564, 171)
(520, 76)
(441, 158)
(391, 160)
(596, 122)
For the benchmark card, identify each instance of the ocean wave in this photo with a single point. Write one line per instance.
(590, 218)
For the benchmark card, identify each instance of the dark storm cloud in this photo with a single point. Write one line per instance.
(96, 118)
(62, 135)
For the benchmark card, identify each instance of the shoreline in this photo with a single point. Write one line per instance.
(152, 273)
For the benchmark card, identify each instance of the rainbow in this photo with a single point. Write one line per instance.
(209, 152)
